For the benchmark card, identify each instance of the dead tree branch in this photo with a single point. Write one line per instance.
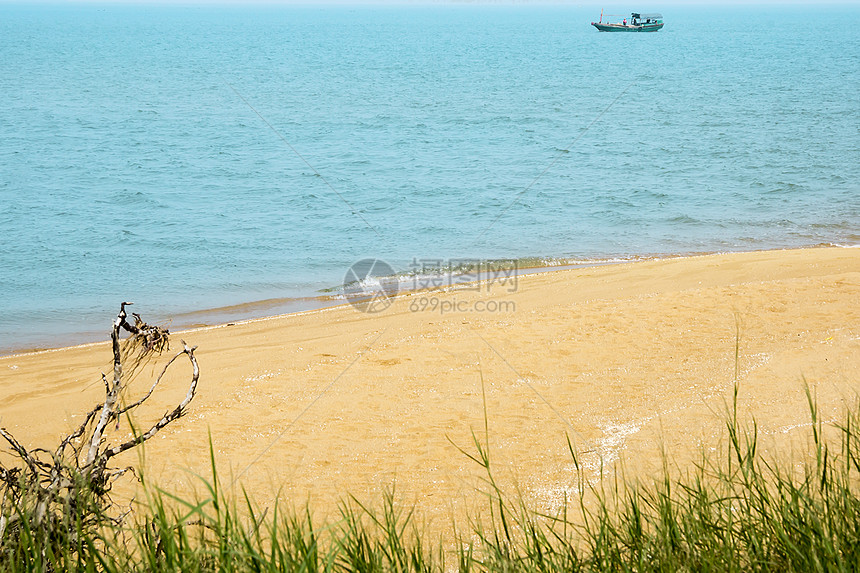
(58, 490)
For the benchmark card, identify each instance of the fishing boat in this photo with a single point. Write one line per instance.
(637, 23)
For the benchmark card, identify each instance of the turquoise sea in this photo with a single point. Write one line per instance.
(188, 158)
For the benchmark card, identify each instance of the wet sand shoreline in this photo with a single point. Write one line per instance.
(263, 309)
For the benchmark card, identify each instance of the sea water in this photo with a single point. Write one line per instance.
(193, 157)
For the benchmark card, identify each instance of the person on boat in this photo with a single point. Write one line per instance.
(625, 21)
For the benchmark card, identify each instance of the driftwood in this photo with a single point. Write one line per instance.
(58, 492)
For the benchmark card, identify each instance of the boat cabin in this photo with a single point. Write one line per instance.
(637, 19)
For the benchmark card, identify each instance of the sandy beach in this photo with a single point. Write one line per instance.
(629, 360)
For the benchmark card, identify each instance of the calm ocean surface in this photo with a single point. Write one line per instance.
(133, 165)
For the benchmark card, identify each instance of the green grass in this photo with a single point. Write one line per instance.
(734, 510)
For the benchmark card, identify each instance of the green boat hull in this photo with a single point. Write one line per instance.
(623, 28)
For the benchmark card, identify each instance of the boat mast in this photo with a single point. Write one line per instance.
(601, 16)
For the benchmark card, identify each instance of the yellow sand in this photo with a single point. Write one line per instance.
(628, 360)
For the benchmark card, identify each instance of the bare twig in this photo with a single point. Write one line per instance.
(175, 414)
